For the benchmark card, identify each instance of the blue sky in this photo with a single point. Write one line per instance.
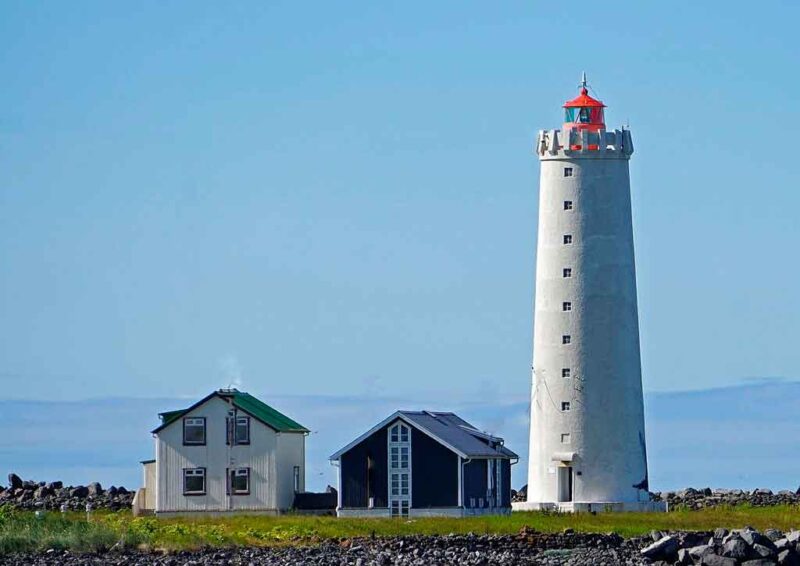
(340, 198)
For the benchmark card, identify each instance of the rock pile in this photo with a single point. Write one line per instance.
(704, 498)
(31, 495)
(527, 548)
(725, 548)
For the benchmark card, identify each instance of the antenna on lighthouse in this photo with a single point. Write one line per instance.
(583, 80)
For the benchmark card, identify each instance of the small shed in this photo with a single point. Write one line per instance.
(424, 463)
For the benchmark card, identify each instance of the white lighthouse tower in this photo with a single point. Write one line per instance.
(587, 438)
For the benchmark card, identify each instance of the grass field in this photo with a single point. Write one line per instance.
(23, 531)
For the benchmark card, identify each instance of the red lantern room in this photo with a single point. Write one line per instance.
(584, 112)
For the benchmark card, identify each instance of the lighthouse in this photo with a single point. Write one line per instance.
(587, 435)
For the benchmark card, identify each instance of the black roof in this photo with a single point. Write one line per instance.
(458, 433)
(448, 429)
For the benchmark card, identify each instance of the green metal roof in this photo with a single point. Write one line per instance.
(169, 416)
(247, 403)
(264, 412)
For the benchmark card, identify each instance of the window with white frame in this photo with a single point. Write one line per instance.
(400, 508)
(399, 469)
(567, 272)
(239, 481)
(194, 431)
(194, 481)
(567, 205)
(400, 483)
(296, 479)
(568, 171)
(566, 339)
(398, 457)
(567, 239)
(565, 406)
(238, 429)
(565, 438)
(566, 306)
(566, 372)
(399, 433)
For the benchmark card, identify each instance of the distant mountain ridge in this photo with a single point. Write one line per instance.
(742, 436)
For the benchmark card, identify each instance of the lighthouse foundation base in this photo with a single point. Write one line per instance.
(594, 507)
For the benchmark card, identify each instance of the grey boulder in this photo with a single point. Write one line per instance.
(666, 547)
(716, 560)
(735, 548)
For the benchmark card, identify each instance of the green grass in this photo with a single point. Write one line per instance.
(21, 531)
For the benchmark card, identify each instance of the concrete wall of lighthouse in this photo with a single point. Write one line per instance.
(605, 421)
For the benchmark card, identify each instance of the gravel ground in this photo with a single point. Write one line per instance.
(526, 548)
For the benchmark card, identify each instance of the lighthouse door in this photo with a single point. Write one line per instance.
(565, 483)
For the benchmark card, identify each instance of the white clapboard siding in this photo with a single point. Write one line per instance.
(271, 485)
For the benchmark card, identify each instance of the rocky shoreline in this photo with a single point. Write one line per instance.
(54, 496)
(527, 548)
(745, 547)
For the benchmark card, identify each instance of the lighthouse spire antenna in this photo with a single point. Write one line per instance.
(583, 80)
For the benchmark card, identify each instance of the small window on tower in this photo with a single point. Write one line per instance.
(567, 238)
(567, 273)
(567, 205)
(565, 439)
(566, 306)
(566, 339)
(568, 171)
(566, 372)
(565, 406)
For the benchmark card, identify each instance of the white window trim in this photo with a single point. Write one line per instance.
(240, 472)
(236, 439)
(400, 501)
(195, 472)
(197, 422)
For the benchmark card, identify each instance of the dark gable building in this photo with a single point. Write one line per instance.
(422, 463)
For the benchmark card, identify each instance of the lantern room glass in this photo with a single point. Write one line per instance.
(584, 115)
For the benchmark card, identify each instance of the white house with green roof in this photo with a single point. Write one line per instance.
(228, 452)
